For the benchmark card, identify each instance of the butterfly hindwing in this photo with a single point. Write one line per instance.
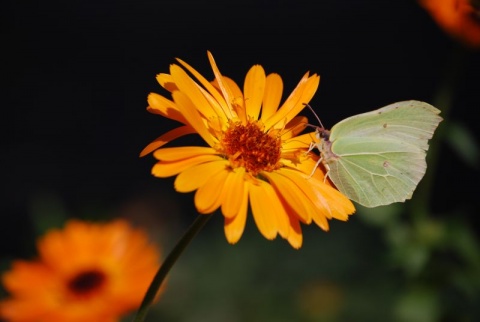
(377, 173)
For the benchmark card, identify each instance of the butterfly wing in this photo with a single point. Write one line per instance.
(380, 155)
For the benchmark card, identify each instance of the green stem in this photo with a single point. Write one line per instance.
(167, 265)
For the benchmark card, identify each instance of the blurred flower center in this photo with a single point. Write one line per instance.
(86, 282)
(249, 147)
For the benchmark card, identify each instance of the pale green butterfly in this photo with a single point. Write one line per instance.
(378, 158)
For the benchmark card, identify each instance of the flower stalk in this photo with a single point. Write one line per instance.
(162, 272)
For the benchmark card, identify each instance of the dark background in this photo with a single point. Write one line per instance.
(77, 74)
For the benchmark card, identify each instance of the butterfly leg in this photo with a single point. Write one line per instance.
(315, 167)
(310, 148)
(327, 167)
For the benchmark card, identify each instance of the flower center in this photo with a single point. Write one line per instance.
(249, 147)
(86, 282)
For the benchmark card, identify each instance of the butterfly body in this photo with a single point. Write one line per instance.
(377, 158)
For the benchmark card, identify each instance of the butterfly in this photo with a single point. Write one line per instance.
(378, 158)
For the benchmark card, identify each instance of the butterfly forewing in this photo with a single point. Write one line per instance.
(411, 121)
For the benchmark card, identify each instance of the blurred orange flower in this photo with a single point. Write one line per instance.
(85, 272)
(254, 156)
(459, 18)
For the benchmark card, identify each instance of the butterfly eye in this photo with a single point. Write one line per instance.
(322, 134)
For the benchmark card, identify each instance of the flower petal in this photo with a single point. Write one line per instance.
(229, 83)
(158, 104)
(211, 195)
(216, 99)
(192, 90)
(238, 101)
(282, 217)
(294, 127)
(299, 142)
(167, 82)
(308, 90)
(291, 193)
(25, 277)
(294, 104)
(167, 137)
(271, 96)
(196, 176)
(253, 89)
(317, 207)
(295, 237)
(182, 152)
(225, 90)
(264, 203)
(235, 225)
(458, 18)
(234, 187)
(193, 117)
(164, 169)
(339, 206)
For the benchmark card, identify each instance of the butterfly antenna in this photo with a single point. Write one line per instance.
(316, 116)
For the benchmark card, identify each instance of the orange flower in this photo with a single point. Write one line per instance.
(254, 154)
(85, 272)
(459, 18)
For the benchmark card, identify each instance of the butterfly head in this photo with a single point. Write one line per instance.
(322, 134)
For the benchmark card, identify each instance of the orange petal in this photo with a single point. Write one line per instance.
(295, 237)
(318, 208)
(340, 207)
(224, 89)
(192, 115)
(291, 193)
(299, 142)
(164, 169)
(305, 95)
(264, 203)
(294, 127)
(234, 187)
(253, 90)
(167, 137)
(189, 87)
(216, 99)
(158, 104)
(196, 176)
(211, 195)
(182, 152)
(272, 95)
(308, 165)
(295, 102)
(26, 277)
(167, 82)
(459, 18)
(283, 222)
(331, 202)
(236, 92)
(235, 226)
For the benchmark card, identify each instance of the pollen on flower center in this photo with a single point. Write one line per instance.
(86, 282)
(250, 147)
